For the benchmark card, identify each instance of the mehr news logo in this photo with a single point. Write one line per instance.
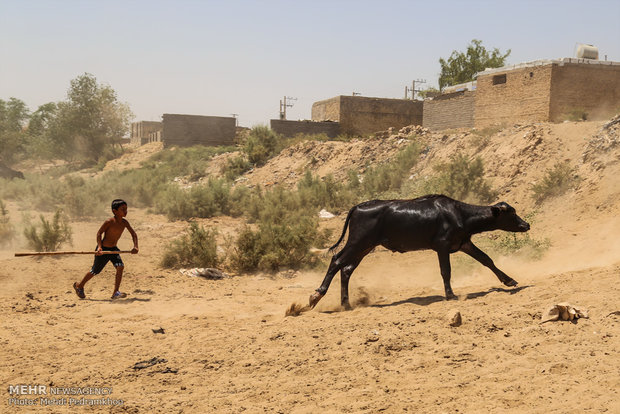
(27, 395)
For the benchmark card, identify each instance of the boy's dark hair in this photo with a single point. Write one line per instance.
(116, 204)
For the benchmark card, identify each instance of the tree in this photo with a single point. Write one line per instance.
(13, 117)
(461, 67)
(90, 121)
(40, 146)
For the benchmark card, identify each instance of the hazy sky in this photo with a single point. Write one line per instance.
(223, 57)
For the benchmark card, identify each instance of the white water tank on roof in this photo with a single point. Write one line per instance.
(587, 52)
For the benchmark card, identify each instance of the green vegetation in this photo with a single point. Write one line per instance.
(461, 67)
(463, 179)
(197, 248)
(235, 167)
(556, 181)
(49, 236)
(86, 127)
(262, 143)
(390, 176)
(576, 114)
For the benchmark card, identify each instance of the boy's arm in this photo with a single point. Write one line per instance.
(101, 231)
(134, 237)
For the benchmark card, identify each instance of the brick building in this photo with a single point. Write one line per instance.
(544, 90)
(359, 115)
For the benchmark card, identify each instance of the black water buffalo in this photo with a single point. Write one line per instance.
(432, 222)
(9, 173)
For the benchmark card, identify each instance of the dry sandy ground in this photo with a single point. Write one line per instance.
(226, 345)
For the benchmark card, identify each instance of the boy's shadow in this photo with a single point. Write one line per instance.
(123, 300)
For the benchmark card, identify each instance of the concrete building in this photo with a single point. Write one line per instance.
(289, 129)
(187, 130)
(142, 132)
(359, 115)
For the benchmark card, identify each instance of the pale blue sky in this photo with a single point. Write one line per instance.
(223, 57)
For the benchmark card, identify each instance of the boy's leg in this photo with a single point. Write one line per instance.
(86, 278)
(119, 278)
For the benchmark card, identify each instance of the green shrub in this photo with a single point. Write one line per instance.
(262, 143)
(324, 193)
(197, 248)
(235, 167)
(206, 200)
(275, 245)
(7, 232)
(390, 176)
(462, 179)
(521, 242)
(49, 236)
(556, 181)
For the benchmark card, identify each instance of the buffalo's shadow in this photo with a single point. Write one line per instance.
(421, 301)
(511, 291)
(428, 300)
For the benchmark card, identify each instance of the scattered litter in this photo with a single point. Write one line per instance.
(563, 312)
(455, 318)
(206, 272)
(160, 330)
(149, 363)
(325, 214)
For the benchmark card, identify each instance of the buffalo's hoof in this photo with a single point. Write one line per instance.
(451, 296)
(315, 298)
(510, 282)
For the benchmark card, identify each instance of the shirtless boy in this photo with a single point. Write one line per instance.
(111, 229)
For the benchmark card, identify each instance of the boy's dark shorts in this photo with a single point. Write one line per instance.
(101, 261)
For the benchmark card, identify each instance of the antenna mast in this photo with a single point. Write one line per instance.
(413, 90)
(286, 103)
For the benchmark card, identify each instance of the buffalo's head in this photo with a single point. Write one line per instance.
(506, 218)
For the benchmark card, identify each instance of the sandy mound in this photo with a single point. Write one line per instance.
(188, 344)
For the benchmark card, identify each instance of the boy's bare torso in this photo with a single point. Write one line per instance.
(112, 230)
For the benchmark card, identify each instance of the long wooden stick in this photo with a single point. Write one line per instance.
(59, 253)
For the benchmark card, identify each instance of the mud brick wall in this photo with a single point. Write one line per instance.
(523, 97)
(187, 130)
(360, 115)
(581, 87)
(454, 110)
(292, 128)
(140, 131)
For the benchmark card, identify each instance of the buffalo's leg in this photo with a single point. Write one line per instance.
(485, 260)
(345, 275)
(348, 256)
(333, 268)
(444, 265)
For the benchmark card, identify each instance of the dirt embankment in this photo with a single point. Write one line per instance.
(226, 345)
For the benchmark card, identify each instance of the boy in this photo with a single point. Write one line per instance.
(112, 229)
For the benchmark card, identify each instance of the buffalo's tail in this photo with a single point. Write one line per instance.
(344, 230)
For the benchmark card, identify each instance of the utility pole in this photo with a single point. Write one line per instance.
(285, 103)
(413, 90)
(236, 116)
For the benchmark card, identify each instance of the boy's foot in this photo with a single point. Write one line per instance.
(119, 295)
(79, 291)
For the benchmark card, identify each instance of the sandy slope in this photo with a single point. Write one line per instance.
(228, 347)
